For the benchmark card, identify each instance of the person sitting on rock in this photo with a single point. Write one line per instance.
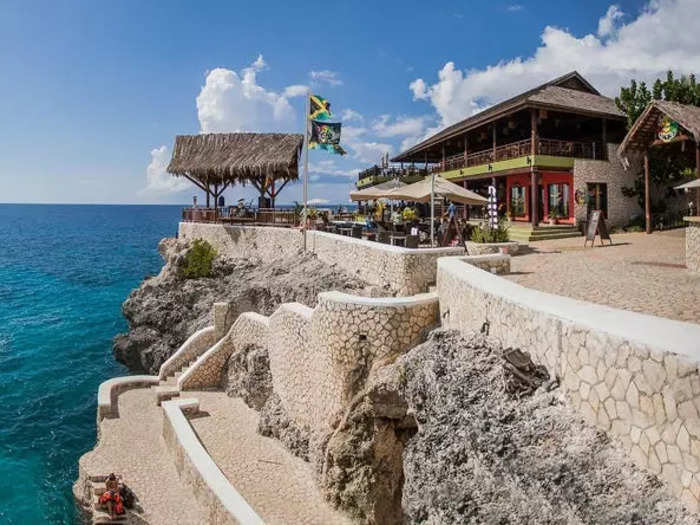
(111, 497)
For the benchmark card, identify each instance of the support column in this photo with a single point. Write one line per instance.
(604, 153)
(493, 137)
(466, 150)
(533, 134)
(534, 200)
(647, 199)
(443, 157)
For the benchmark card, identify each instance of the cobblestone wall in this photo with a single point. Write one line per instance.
(620, 208)
(634, 376)
(249, 328)
(692, 244)
(403, 271)
(196, 344)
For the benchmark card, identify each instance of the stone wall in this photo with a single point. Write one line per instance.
(403, 271)
(692, 243)
(196, 344)
(320, 358)
(249, 328)
(620, 208)
(635, 376)
(211, 489)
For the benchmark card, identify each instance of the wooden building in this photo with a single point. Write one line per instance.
(550, 152)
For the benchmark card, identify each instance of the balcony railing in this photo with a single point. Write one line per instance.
(390, 173)
(262, 216)
(522, 148)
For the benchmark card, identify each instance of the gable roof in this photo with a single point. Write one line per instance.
(643, 131)
(570, 92)
(234, 157)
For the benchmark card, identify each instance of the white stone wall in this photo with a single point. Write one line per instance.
(404, 271)
(692, 244)
(620, 208)
(249, 328)
(635, 376)
(245, 241)
(196, 344)
(320, 358)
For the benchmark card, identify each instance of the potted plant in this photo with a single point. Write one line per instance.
(553, 217)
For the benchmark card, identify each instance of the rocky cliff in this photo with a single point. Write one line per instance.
(166, 309)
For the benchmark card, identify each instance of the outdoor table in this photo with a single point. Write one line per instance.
(345, 230)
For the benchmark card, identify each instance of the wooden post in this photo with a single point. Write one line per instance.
(697, 173)
(208, 191)
(493, 159)
(443, 157)
(604, 153)
(533, 133)
(534, 207)
(466, 149)
(647, 200)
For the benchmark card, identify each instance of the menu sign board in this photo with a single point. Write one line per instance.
(596, 226)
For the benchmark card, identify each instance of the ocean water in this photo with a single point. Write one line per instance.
(64, 272)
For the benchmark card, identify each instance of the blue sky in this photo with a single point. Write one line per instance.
(93, 93)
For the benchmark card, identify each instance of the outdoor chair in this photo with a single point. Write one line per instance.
(357, 232)
(383, 236)
(411, 241)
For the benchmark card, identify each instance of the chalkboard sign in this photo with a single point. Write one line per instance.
(596, 225)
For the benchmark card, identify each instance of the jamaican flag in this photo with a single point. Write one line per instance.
(326, 135)
(319, 108)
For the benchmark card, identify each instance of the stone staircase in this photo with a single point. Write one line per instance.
(167, 388)
(526, 233)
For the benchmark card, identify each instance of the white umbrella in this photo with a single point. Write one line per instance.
(692, 184)
(376, 192)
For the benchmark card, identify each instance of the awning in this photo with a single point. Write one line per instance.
(376, 192)
(420, 192)
(692, 184)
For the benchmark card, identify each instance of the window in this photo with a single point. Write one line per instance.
(559, 200)
(517, 201)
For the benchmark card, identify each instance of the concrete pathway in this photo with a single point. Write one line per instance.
(279, 486)
(132, 446)
(642, 273)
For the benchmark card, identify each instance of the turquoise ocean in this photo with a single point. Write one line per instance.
(64, 272)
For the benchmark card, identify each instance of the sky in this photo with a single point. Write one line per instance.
(93, 93)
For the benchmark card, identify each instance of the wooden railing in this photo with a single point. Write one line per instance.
(390, 173)
(268, 216)
(522, 148)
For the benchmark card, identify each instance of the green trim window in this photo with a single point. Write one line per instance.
(559, 199)
(517, 201)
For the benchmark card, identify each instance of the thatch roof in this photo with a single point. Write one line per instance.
(570, 92)
(236, 157)
(644, 129)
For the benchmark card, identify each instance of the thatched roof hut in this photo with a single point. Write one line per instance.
(643, 132)
(212, 161)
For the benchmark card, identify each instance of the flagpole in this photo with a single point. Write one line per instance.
(306, 161)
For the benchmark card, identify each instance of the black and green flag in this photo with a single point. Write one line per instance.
(326, 135)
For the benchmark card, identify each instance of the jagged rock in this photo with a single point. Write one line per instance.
(485, 453)
(249, 376)
(166, 309)
(274, 422)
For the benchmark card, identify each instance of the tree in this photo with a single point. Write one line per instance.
(668, 164)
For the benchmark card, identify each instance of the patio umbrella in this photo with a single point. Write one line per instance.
(692, 184)
(426, 189)
(376, 192)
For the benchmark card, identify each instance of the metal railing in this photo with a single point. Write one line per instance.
(266, 216)
(522, 148)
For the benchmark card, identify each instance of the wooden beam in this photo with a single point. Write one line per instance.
(493, 137)
(533, 133)
(195, 182)
(466, 149)
(647, 200)
(679, 138)
(535, 202)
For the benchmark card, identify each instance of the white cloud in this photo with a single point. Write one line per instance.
(662, 37)
(295, 90)
(328, 167)
(158, 180)
(326, 77)
(231, 101)
(607, 24)
(366, 151)
(401, 126)
(514, 7)
(350, 115)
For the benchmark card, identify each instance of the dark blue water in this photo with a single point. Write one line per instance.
(64, 272)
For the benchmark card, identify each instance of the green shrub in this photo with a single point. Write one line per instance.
(482, 233)
(198, 260)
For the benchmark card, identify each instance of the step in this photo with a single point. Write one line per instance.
(165, 392)
(99, 516)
